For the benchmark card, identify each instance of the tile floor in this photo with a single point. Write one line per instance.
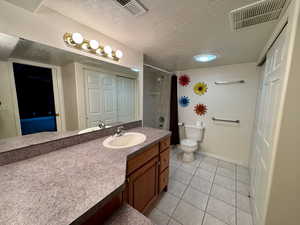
(207, 191)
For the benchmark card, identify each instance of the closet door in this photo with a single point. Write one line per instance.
(126, 99)
(101, 100)
(264, 134)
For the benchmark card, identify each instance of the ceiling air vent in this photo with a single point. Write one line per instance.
(133, 6)
(256, 13)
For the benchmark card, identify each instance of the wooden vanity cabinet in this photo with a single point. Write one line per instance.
(164, 157)
(143, 186)
(147, 176)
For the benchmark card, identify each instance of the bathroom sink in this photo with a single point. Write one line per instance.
(126, 140)
(91, 129)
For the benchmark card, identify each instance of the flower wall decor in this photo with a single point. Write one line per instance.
(200, 109)
(184, 80)
(200, 88)
(184, 101)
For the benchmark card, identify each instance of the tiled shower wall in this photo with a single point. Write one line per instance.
(156, 98)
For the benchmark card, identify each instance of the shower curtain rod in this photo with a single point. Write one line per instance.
(157, 68)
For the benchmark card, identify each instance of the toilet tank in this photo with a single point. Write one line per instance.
(194, 132)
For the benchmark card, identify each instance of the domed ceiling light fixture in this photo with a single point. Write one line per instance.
(205, 57)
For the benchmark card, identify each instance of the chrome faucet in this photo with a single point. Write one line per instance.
(101, 124)
(120, 131)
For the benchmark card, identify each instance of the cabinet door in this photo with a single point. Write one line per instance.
(143, 186)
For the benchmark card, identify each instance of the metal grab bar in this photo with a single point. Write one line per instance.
(227, 121)
(230, 82)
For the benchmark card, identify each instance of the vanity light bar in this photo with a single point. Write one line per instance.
(76, 40)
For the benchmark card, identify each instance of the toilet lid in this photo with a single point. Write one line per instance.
(189, 142)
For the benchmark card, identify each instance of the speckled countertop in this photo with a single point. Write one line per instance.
(58, 187)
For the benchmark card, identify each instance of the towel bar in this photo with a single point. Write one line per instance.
(227, 121)
(230, 82)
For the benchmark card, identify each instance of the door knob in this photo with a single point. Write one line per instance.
(56, 114)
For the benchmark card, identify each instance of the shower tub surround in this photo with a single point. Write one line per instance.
(66, 186)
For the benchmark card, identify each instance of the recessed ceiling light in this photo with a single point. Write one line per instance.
(205, 57)
(135, 70)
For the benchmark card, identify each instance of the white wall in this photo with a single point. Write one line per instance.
(235, 101)
(70, 100)
(7, 116)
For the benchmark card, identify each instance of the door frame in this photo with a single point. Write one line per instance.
(57, 90)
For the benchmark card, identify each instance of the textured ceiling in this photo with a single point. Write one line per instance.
(172, 31)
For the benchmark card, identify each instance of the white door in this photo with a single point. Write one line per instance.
(126, 99)
(266, 119)
(100, 98)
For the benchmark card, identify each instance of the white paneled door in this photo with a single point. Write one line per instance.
(269, 98)
(109, 98)
(126, 99)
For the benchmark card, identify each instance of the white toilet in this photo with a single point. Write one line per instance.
(191, 137)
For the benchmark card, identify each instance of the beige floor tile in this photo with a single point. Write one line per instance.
(158, 217)
(244, 178)
(226, 172)
(174, 222)
(188, 214)
(210, 220)
(243, 203)
(182, 176)
(223, 194)
(221, 211)
(225, 182)
(195, 198)
(189, 168)
(204, 174)
(227, 165)
(201, 184)
(211, 160)
(207, 166)
(243, 189)
(243, 218)
(167, 204)
(176, 188)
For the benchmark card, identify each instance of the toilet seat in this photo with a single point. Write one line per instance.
(189, 143)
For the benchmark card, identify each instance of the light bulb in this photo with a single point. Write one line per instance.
(77, 38)
(94, 44)
(85, 46)
(99, 51)
(108, 50)
(119, 54)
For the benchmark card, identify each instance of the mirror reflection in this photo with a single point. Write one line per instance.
(44, 89)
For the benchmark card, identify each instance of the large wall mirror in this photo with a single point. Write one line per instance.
(45, 89)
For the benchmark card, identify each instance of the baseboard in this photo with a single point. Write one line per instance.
(222, 158)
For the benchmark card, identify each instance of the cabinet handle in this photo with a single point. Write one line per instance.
(127, 180)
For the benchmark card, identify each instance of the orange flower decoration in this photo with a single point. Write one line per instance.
(200, 109)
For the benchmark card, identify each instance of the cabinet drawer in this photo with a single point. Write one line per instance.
(164, 144)
(164, 160)
(143, 157)
(163, 179)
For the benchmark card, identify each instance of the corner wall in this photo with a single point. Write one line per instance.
(226, 141)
